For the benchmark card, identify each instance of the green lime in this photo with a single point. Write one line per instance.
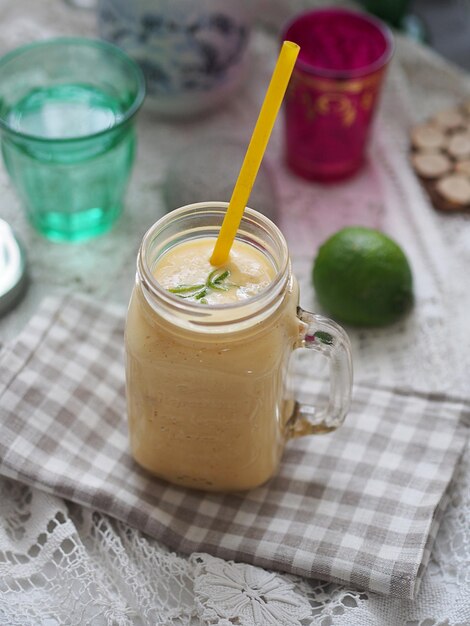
(362, 277)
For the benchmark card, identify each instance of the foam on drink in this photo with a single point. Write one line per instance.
(186, 271)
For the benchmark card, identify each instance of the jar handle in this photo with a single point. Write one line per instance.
(325, 336)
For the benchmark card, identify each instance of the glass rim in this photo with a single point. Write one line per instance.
(345, 75)
(88, 42)
(196, 307)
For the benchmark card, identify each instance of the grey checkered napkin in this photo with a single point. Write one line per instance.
(359, 506)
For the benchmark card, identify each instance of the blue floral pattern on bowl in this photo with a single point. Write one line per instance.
(183, 48)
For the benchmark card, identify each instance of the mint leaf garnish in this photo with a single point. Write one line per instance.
(216, 281)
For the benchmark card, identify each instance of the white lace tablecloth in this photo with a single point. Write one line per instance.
(63, 564)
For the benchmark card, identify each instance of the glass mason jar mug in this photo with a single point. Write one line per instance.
(209, 400)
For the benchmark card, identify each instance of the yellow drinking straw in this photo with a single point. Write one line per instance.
(254, 154)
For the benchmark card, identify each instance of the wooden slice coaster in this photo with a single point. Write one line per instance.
(440, 157)
(454, 191)
(431, 164)
(459, 145)
(450, 119)
(463, 167)
(427, 137)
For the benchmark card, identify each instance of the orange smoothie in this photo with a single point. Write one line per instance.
(208, 409)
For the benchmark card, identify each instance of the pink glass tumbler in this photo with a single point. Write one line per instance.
(333, 93)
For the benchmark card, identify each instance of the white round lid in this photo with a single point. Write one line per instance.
(12, 268)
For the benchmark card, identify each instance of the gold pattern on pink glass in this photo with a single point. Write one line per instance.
(355, 85)
(330, 104)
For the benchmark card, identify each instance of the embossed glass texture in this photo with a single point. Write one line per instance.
(67, 109)
(334, 90)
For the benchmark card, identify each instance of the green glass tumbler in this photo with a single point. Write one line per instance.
(67, 110)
